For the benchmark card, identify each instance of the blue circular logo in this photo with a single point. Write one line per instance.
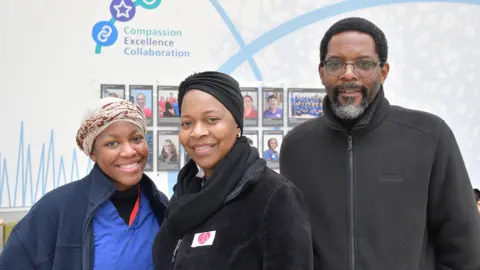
(122, 10)
(149, 4)
(104, 33)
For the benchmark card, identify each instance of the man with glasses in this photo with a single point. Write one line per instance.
(386, 186)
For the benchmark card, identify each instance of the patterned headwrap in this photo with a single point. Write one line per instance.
(103, 113)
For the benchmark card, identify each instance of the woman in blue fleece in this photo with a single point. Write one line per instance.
(106, 220)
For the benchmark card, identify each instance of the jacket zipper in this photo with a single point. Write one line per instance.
(86, 267)
(174, 257)
(352, 203)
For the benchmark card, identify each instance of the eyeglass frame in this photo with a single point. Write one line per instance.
(324, 63)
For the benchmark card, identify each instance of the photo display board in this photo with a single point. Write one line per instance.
(304, 104)
(250, 104)
(112, 90)
(168, 150)
(142, 95)
(272, 141)
(168, 111)
(272, 107)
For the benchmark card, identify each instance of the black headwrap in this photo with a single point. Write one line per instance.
(220, 85)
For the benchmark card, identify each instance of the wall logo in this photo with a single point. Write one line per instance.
(138, 41)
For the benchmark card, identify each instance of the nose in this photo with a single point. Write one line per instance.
(349, 75)
(128, 150)
(199, 131)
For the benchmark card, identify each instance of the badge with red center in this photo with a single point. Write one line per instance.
(203, 239)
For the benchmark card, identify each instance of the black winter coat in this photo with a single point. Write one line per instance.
(264, 227)
(392, 194)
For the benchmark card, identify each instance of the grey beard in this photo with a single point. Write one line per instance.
(349, 111)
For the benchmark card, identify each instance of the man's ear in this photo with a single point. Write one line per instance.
(385, 69)
(320, 72)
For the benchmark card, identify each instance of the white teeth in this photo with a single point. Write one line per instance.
(129, 166)
(202, 148)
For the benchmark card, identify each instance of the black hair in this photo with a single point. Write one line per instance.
(477, 194)
(360, 25)
(272, 97)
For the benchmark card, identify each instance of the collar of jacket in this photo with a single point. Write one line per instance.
(251, 177)
(100, 188)
(370, 119)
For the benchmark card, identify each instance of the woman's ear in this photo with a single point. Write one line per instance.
(93, 157)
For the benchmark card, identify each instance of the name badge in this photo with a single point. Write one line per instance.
(203, 239)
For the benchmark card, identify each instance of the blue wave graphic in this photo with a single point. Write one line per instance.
(47, 173)
(236, 35)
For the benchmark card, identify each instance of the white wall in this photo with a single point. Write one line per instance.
(50, 72)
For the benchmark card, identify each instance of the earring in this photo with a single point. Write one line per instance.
(239, 135)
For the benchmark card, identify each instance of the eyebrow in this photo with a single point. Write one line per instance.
(203, 113)
(361, 57)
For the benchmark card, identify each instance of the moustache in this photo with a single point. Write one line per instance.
(344, 86)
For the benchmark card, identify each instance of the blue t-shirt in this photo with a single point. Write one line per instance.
(119, 246)
(277, 114)
(270, 155)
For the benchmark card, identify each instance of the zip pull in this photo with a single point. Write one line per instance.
(172, 263)
(350, 143)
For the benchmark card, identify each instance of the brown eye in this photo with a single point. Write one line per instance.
(138, 139)
(212, 120)
(112, 144)
(185, 124)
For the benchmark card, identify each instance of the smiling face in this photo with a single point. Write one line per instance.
(141, 101)
(272, 103)
(207, 132)
(168, 146)
(272, 144)
(247, 102)
(349, 92)
(121, 152)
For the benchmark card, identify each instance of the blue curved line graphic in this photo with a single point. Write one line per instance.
(98, 48)
(309, 18)
(237, 37)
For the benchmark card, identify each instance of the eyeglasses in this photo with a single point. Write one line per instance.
(362, 68)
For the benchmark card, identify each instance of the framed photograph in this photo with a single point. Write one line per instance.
(250, 103)
(149, 138)
(142, 95)
(272, 107)
(167, 106)
(304, 104)
(272, 141)
(168, 150)
(112, 90)
(252, 137)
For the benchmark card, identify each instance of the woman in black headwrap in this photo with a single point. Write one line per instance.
(228, 211)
